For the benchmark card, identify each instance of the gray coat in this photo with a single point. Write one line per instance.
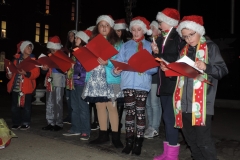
(216, 69)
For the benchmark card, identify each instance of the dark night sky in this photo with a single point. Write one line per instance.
(216, 13)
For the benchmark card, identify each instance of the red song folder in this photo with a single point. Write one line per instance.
(62, 55)
(27, 64)
(139, 62)
(63, 65)
(45, 60)
(10, 67)
(183, 67)
(97, 47)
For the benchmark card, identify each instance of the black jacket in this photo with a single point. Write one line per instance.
(173, 46)
(216, 69)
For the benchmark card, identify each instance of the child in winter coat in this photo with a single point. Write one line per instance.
(22, 86)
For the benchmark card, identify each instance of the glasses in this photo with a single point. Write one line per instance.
(189, 36)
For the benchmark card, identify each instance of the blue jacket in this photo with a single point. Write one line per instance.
(135, 80)
(110, 78)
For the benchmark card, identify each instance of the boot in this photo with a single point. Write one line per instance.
(129, 145)
(116, 140)
(162, 156)
(172, 152)
(102, 138)
(138, 146)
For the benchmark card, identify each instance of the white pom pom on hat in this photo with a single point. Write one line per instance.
(143, 23)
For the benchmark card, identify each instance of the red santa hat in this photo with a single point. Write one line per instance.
(170, 16)
(192, 22)
(84, 35)
(23, 45)
(107, 18)
(143, 23)
(91, 28)
(120, 24)
(54, 43)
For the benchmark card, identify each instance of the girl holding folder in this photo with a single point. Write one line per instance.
(135, 85)
(102, 87)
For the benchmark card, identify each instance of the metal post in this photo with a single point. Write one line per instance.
(179, 6)
(76, 19)
(232, 16)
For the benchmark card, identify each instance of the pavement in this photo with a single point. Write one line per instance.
(36, 144)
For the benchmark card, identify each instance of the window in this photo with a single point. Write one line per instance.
(2, 57)
(73, 12)
(3, 29)
(46, 33)
(3, 1)
(47, 6)
(37, 34)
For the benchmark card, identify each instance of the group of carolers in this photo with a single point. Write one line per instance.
(187, 103)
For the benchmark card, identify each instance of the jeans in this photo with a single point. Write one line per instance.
(154, 109)
(169, 120)
(80, 112)
(199, 138)
(21, 115)
(68, 98)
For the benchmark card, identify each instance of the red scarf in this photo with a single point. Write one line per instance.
(139, 42)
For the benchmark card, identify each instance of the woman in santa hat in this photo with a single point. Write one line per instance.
(135, 85)
(80, 110)
(102, 87)
(194, 107)
(168, 47)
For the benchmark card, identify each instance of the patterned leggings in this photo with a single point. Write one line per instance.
(135, 101)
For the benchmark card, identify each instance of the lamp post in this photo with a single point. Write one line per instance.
(76, 21)
(129, 5)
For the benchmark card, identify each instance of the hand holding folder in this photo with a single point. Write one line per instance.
(97, 47)
(183, 67)
(139, 62)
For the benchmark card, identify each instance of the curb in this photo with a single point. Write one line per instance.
(225, 103)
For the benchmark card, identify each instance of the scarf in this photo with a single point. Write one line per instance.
(21, 95)
(139, 43)
(165, 35)
(69, 79)
(199, 90)
(49, 79)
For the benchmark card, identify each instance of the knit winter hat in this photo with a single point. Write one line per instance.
(170, 16)
(192, 22)
(120, 24)
(106, 18)
(24, 44)
(143, 23)
(54, 43)
(84, 35)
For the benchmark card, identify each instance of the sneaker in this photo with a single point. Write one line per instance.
(24, 127)
(151, 134)
(71, 134)
(147, 131)
(94, 126)
(67, 121)
(84, 137)
(15, 127)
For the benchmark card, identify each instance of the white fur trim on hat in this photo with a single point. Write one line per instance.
(24, 45)
(142, 25)
(190, 25)
(120, 26)
(73, 31)
(52, 45)
(170, 21)
(154, 24)
(105, 18)
(83, 36)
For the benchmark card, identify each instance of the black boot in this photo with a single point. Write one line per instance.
(102, 138)
(116, 140)
(129, 145)
(138, 146)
